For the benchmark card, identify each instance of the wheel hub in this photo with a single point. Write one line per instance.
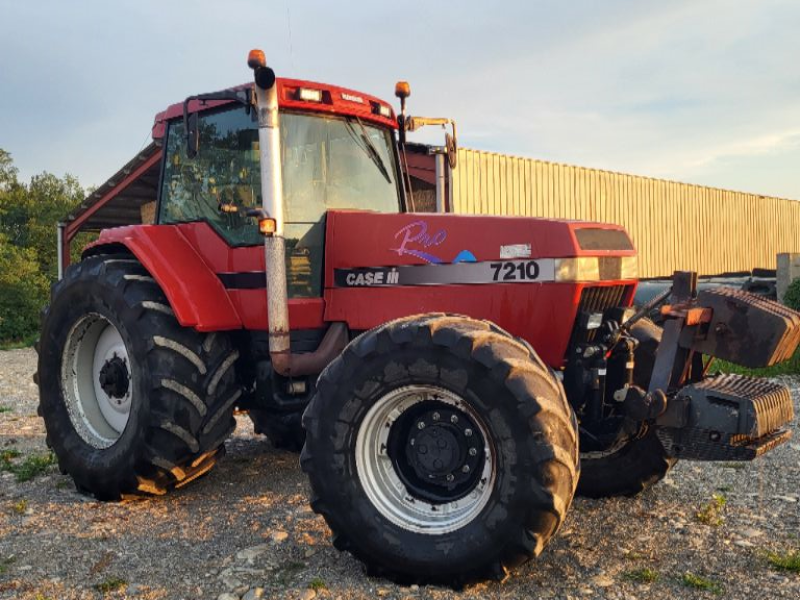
(425, 459)
(438, 451)
(114, 377)
(443, 452)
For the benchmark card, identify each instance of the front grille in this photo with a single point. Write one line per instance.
(595, 300)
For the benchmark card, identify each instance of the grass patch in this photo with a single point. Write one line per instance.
(5, 563)
(711, 513)
(110, 585)
(6, 456)
(785, 561)
(790, 367)
(699, 582)
(25, 342)
(645, 575)
(29, 468)
(5, 409)
(63, 484)
(317, 584)
(20, 506)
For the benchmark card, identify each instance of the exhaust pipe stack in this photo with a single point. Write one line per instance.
(269, 141)
(271, 224)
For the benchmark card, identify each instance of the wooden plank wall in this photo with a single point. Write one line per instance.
(675, 226)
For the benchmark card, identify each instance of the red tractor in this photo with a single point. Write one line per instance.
(458, 377)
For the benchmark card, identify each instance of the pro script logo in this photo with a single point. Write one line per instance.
(416, 240)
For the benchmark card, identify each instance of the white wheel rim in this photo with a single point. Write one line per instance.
(97, 416)
(384, 486)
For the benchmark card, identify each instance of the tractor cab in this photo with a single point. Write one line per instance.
(338, 151)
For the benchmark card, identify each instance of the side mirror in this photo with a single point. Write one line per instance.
(192, 135)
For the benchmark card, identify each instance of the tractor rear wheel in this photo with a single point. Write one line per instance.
(633, 463)
(132, 402)
(440, 450)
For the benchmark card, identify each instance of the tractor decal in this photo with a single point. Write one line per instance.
(512, 271)
(415, 241)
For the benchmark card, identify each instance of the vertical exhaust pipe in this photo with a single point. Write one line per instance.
(269, 141)
(271, 224)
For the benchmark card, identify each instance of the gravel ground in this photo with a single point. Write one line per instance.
(246, 531)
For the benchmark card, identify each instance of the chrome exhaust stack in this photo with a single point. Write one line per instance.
(271, 225)
(271, 222)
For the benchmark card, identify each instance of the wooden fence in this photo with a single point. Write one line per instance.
(675, 226)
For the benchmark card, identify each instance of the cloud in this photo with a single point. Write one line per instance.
(765, 144)
(687, 89)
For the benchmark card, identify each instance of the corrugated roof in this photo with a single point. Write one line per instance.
(118, 201)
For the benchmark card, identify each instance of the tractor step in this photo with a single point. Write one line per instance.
(727, 417)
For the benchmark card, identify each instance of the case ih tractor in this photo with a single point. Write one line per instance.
(458, 377)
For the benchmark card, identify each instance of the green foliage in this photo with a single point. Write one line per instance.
(711, 513)
(29, 468)
(644, 575)
(701, 583)
(792, 296)
(6, 456)
(5, 563)
(20, 506)
(23, 290)
(28, 255)
(317, 584)
(785, 561)
(110, 585)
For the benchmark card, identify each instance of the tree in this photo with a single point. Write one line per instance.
(28, 255)
(8, 172)
(23, 291)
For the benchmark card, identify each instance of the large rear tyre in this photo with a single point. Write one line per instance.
(132, 402)
(440, 450)
(634, 463)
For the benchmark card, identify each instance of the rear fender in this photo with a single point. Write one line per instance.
(195, 293)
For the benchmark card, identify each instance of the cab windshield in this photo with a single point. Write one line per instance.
(328, 162)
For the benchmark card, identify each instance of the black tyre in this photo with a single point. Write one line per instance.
(132, 402)
(440, 450)
(634, 463)
(284, 429)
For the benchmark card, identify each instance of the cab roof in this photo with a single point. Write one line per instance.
(335, 100)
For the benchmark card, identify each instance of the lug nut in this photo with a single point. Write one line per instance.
(412, 442)
(421, 425)
(473, 451)
(450, 477)
(436, 416)
(454, 419)
(468, 432)
(465, 469)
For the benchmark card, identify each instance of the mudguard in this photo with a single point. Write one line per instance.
(195, 293)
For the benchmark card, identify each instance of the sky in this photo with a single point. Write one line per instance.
(701, 91)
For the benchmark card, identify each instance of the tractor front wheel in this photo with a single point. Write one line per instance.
(440, 450)
(132, 402)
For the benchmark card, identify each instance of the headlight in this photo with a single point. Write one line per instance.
(583, 268)
(629, 268)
